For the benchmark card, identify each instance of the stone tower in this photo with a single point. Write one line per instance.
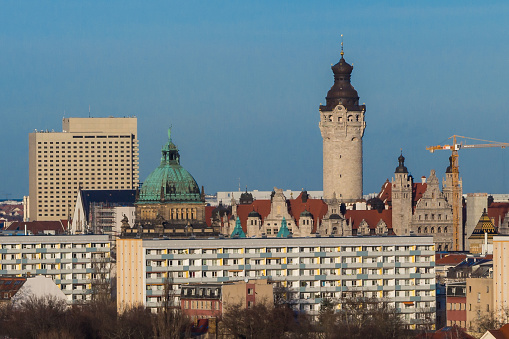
(401, 199)
(342, 126)
(447, 189)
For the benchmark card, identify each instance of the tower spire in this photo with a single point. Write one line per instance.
(342, 53)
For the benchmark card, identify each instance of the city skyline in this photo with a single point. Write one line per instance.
(241, 84)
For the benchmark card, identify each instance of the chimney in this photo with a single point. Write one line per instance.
(423, 179)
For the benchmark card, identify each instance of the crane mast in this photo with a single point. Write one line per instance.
(456, 201)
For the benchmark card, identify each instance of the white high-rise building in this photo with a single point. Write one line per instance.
(89, 153)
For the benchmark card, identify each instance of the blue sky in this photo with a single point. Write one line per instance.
(241, 83)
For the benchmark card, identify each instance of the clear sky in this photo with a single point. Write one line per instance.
(241, 83)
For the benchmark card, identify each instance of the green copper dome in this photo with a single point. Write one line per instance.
(169, 182)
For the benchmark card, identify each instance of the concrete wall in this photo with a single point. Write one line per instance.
(476, 203)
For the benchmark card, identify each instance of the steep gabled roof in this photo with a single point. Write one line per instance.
(38, 227)
(450, 260)
(501, 333)
(386, 192)
(371, 217)
(418, 190)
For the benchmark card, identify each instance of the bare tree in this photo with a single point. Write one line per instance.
(169, 322)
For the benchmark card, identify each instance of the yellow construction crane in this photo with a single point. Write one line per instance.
(456, 201)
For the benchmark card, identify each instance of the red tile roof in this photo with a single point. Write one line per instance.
(418, 190)
(208, 215)
(386, 192)
(316, 207)
(451, 259)
(448, 332)
(372, 217)
(497, 212)
(501, 333)
(9, 286)
(38, 227)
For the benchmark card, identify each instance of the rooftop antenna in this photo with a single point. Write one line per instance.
(342, 53)
(89, 110)
(239, 184)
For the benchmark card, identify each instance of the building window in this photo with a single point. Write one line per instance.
(250, 291)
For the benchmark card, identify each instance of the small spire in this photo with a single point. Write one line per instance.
(169, 132)
(342, 53)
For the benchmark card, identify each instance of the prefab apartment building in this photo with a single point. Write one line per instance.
(397, 270)
(73, 262)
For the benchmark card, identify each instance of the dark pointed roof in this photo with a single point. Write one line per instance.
(342, 90)
(449, 168)
(401, 168)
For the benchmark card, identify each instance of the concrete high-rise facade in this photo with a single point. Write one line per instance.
(342, 127)
(89, 153)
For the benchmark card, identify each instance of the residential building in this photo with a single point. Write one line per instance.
(479, 300)
(89, 153)
(200, 301)
(398, 270)
(500, 274)
(74, 263)
(456, 304)
(9, 286)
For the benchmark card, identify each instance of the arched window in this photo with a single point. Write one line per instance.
(446, 247)
(445, 229)
(439, 247)
(432, 229)
(425, 230)
(439, 230)
(419, 230)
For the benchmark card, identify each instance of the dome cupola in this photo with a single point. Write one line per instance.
(170, 182)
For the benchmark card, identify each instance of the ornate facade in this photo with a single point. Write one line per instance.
(422, 208)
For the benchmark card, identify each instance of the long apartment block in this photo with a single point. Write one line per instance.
(398, 270)
(73, 262)
(89, 153)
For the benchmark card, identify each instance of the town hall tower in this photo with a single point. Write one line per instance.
(342, 126)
